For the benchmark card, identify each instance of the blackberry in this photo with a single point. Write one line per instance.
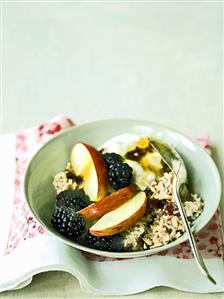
(74, 199)
(111, 159)
(100, 243)
(68, 223)
(120, 175)
(107, 243)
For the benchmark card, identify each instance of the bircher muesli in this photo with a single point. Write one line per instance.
(119, 197)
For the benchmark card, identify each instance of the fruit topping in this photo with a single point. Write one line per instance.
(121, 218)
(74, 199)
(112, 158)
(108, 243)
(120, 175)
(100, 243)
(171, 208)
(68, 223)
(88, 163)
(109, 203)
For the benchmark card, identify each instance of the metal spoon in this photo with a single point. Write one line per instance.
(175, 163)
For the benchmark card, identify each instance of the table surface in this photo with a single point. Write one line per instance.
(97, 60)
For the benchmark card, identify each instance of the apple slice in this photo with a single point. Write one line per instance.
(109, 203)
(121, 218)
(88, 163)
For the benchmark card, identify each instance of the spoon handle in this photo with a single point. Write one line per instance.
(196, 253)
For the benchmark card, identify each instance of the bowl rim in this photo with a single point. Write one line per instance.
(132, 254)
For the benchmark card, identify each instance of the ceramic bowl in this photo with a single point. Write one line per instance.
(53, 156)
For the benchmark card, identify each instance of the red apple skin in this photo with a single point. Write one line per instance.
(127, 223)
(109, 203)
(101, 170)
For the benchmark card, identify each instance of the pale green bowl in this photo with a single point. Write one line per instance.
(53, 156)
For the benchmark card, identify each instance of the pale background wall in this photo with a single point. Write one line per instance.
(156, 61)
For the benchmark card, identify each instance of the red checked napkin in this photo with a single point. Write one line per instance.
(23, 227)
